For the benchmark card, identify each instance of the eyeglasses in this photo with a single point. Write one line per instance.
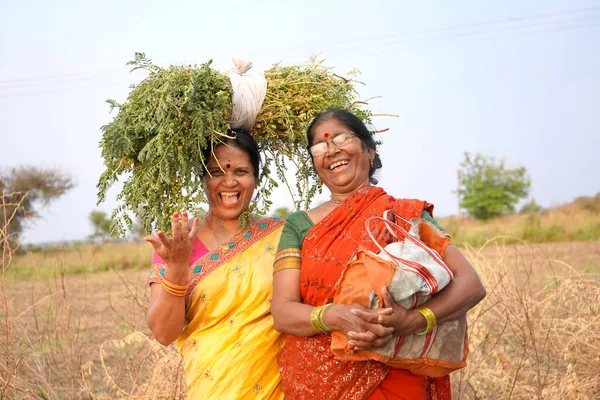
(338, 141)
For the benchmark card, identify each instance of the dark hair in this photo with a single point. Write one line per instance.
(357, 127)
(242, 140)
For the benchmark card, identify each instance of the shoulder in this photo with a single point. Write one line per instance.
(296, 216)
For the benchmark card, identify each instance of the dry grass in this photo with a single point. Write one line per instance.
(537, 334)
(80, 258)
(70, 335)
(576, 221)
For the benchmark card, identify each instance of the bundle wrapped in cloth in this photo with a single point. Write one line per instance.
(157, 141)
(412, 269)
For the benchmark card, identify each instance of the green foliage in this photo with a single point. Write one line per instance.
(156, 141)
(26, 188)
(157, 138)
(101, 224)
(487, 188)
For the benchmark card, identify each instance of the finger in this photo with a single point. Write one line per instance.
(381, 330)
(185, 227)
(388, 301)
(363, 336)
(384, 311)
(165, 240)
(176, 227)
(360, 345)
(154, 241)
(194, 230)
(365, 316)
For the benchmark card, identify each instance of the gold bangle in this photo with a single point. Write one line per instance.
(314, 319)
(179, 291)
(174, 285)
(317, 321)
(321, 319)
(429, 317)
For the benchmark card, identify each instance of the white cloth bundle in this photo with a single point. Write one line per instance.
(249, 92)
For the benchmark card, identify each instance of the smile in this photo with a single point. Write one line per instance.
(229, 198)
(338, 164)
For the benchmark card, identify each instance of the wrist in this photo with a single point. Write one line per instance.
(177, 275)
(332, 319)
(417, 323)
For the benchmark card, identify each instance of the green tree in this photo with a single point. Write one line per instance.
(23, 190)
(531, 207)
(488, 188)
(101, 224)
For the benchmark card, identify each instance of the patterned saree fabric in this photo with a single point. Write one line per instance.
(229, 346)
(412, 269)
(308, 367)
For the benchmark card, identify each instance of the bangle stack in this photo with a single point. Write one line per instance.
(429, 317)
(317, 321)
(173, 289)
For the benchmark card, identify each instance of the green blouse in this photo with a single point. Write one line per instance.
(299, 223)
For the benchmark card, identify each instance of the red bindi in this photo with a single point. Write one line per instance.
(326, 135)
(228, 166)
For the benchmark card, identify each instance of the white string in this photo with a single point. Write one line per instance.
(249, 92)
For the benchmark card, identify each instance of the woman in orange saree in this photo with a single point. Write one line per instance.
(316, 245)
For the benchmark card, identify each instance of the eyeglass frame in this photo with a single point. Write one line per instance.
(332, 140)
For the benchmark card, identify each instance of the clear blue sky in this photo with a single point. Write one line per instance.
(512, 79)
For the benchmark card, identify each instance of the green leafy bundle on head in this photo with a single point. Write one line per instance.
(157, 140)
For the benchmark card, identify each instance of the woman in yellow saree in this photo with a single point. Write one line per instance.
(211, 286)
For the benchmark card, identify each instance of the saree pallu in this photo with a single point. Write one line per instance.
(229, 346)
(309, 370)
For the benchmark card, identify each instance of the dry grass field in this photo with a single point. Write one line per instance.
(72, 323)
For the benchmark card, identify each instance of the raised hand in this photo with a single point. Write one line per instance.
(177, 250)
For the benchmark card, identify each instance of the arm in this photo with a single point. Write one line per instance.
(460, 295)
(290, 315)
(293, 317)
(166, 313)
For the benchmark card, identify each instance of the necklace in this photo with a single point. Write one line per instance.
(216, 237)
(335, 201)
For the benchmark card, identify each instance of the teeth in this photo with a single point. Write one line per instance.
(337, 164)
(229, 193)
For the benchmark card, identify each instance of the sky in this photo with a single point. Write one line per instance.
(513, 80)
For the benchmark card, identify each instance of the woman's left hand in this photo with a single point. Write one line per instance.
(397, 317)
(368, 339)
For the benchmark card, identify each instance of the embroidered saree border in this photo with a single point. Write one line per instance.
(227, 250)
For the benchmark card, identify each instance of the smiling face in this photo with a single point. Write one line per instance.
(230, 182)
(342, 169)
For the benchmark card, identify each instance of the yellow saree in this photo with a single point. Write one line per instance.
(229, 346)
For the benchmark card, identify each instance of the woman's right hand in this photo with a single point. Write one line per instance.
(358, 332)
(176, 251)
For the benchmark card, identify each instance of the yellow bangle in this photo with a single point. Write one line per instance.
(317, 321)
(429, 317)
(173, 289)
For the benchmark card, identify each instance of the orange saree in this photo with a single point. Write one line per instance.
(308, 368)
